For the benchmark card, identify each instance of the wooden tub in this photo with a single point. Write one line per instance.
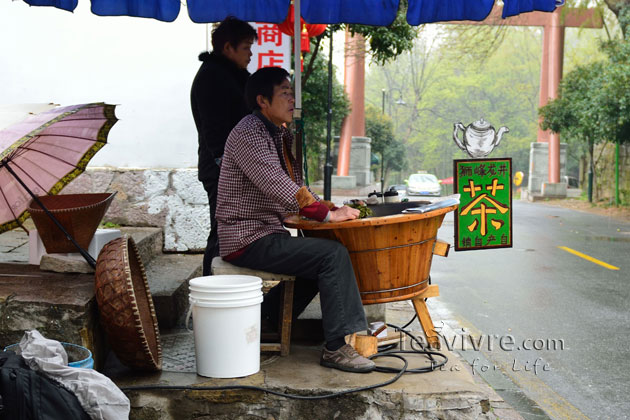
(391, 255)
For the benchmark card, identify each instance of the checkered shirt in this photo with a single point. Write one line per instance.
(255, 190)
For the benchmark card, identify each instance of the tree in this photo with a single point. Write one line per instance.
(386, 42)
(615, 95)
(574, 114)
(617, 7)
(440, 89)
(315, 105)
(378, 127)
(594, 100)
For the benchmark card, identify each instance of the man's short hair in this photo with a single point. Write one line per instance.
(262, 83)
(232, 30)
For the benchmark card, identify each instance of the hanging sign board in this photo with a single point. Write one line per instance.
(484, 217)
(273, 48)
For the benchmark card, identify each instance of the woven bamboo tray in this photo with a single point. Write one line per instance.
(126, 307)
(79, 214)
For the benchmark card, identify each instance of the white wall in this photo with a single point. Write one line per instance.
(144, 66)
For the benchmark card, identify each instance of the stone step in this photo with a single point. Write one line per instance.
(61, 306)
(149, 240)
(168, 276)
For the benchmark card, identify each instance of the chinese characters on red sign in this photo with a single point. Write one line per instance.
(273, 48)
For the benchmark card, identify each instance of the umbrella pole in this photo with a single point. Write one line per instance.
(328, 166)
(82, 251)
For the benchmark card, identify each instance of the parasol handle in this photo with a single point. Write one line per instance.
(90, 260)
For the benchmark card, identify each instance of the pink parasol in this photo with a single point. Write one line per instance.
(43, 153)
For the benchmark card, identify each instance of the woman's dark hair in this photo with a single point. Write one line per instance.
(262, 83)
(232, 30)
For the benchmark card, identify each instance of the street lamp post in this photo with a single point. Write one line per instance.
(398, 102)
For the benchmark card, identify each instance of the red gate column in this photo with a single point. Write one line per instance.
(543, 96)
(354, 81)
(556, 52)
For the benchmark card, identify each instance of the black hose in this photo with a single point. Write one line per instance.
(399, 373)
(386, 353)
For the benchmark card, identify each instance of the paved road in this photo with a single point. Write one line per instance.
(544, 296)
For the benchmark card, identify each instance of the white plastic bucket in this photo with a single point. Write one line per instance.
(226, 324)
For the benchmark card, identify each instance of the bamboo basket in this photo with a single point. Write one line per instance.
(79, 214)
(126, 306)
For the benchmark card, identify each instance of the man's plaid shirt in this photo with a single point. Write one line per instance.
(255, 190)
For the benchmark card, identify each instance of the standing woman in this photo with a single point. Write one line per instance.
(218, 104)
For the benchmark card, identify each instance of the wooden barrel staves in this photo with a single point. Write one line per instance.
(391, 255)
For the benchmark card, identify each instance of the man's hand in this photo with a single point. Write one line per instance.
(343, 213)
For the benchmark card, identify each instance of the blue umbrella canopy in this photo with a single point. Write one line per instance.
(367, 12)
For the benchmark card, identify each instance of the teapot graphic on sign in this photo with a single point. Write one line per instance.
(480, 138)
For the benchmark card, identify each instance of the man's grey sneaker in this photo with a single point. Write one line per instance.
(346, 358)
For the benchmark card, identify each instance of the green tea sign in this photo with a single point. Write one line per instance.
(484, 217)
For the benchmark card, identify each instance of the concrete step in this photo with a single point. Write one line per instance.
(149, 240)
(168, 276)
(447, 393)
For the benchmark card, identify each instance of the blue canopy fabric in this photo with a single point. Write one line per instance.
(367, 12)
(68, 5)
(164, 10)
(428, 11)
(515, 7)
(204, 11)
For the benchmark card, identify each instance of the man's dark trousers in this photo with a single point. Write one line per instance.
(318, 264)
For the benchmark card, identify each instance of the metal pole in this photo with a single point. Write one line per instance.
(328, 165)
(383, 103)
(617, 201)
(590, 176)
(297, 36)
(83, 252)
(297, 110)
(383, 155)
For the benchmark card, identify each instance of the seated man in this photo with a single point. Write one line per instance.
(259, 186)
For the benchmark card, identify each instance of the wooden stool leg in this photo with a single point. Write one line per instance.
(286, 317)
(426, 322)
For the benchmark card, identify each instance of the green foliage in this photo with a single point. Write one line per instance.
(428, 90)
(388, 42)
(315, 105)
(615, 87)
(594, 102)
(575, 113)
(378, 127)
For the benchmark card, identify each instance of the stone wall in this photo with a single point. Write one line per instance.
(171, 199)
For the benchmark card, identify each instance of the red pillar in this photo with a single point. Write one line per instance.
(556, 53)
(354, 81)
(543, 96)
